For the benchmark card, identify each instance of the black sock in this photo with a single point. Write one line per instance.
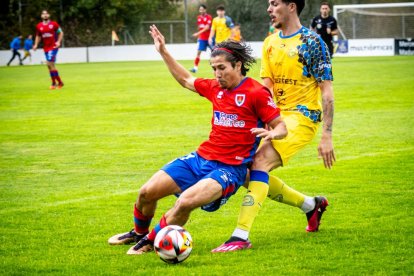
(233, 239)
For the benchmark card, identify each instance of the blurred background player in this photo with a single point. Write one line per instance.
(302, 88)
(204, 25)
(221, 27)
(51, 35)
(236, 33)
(15, 46)
(272, 29)
(28, 45)
(325, 25)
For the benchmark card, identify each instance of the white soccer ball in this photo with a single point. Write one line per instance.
(173, 244)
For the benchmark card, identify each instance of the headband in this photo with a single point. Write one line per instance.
(224, 49)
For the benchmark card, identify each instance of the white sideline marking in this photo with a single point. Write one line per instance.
(76, 200)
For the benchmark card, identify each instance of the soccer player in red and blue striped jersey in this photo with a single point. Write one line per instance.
(204, 24)
(207, 177)
(51, 35)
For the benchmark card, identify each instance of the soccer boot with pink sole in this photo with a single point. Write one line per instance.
(314, 217)
(233, 244)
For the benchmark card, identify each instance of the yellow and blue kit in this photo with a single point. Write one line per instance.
(296, 64)
(222, 27)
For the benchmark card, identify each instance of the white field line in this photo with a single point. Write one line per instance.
(93, 198)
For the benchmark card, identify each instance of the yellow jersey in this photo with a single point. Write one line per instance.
(222, 31)
(236, 34)
(297, 64)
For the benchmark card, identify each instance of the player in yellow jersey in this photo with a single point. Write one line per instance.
(272, 29)
(236, 33)
(221, 27)
(296, 66)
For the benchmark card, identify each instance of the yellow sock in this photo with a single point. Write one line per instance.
(253, 200)
(281, 192)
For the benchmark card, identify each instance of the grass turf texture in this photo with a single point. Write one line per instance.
(72, 161)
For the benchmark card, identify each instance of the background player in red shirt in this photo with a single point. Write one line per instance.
(51, 35)
(204, 25)
(207, 177)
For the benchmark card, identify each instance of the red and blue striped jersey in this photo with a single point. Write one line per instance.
(49, 33)
(235, 113)
(202, 22)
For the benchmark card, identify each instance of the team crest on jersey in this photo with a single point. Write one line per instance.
(50, 26)
(292, 52)
(240, 98)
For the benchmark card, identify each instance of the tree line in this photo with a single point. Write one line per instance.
(90, 22)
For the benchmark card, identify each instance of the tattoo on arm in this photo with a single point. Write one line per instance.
(328, 112)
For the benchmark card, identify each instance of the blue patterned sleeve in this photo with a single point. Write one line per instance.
(321, 66)
(315, 57)
(320, 61)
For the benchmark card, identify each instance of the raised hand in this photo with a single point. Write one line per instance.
(159, 40)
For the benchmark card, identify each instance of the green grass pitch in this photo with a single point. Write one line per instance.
(72, 161)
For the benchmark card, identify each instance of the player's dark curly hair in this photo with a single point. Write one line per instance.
(235, 51)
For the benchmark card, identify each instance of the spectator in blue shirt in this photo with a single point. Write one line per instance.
(15, 45)
(28, 45)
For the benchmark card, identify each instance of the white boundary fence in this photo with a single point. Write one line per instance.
(346, 48)
(113, 53)
(366, 47)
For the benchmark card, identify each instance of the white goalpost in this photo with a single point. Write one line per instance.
(388, 20)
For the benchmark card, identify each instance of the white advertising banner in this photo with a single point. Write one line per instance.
(367, 47)
(346, 48)
(65, 55)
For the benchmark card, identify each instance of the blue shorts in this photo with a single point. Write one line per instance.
(188, 170)
(51, 55)
(202, 45)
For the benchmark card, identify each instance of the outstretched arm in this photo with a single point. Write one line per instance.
(277, 130)
(182, 76)
(334, 32)
(325, 148)
(37, 40)
(205, 29)
(210, 38)
(59, 40)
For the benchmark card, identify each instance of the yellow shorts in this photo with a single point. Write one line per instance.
(301, 131)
